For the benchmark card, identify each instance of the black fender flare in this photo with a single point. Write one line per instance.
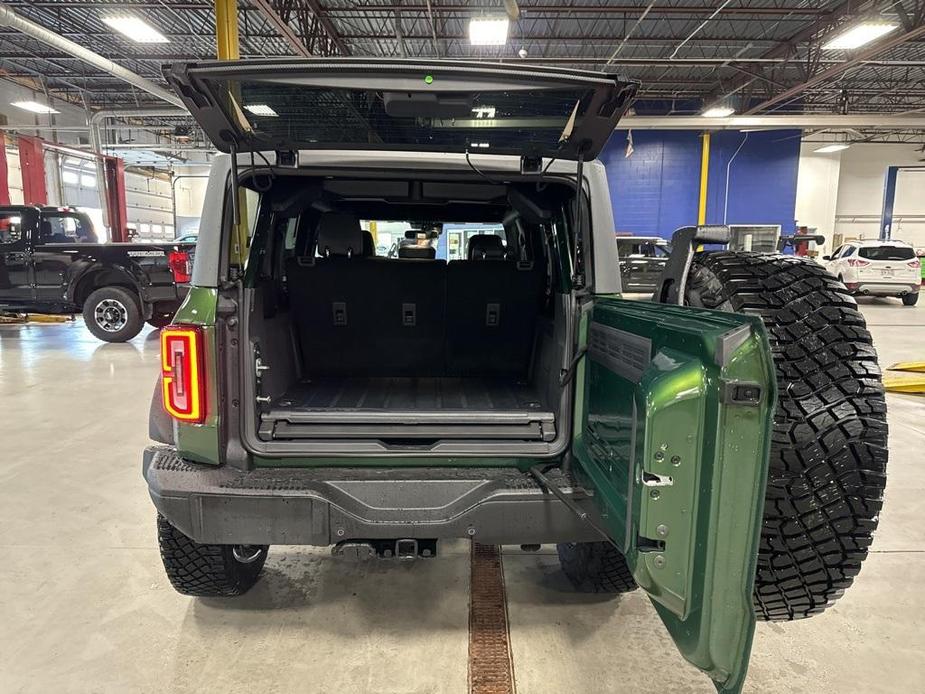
(126, 274)
(160, 425)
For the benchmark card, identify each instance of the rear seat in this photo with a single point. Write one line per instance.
(492, 308)
(358, 316)
(329, 299)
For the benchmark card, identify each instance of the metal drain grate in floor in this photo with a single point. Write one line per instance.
(491, 669)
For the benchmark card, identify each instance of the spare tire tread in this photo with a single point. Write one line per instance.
(829, 445)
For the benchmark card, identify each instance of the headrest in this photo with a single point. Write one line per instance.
(486, 247)
(425, 252)
(340, 235)
(369, 246)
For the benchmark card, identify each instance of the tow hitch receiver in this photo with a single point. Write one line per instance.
(403, 549)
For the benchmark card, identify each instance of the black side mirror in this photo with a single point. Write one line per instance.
(826, 257)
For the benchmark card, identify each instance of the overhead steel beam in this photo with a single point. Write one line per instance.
(606, 8)
(787, 49)
(836, 70)
(796, 121)
(328, 26)
(551, 9)
(286, 31)
(46, 36)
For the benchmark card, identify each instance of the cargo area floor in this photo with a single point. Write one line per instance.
(409, 408)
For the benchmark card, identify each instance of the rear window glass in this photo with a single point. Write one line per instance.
(66, 229)
(887, 253)
(291, 114)
(10, 227)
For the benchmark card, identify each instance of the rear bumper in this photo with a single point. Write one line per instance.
(323, 506)
(866, 288)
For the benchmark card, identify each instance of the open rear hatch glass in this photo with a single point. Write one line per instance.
(355, 103)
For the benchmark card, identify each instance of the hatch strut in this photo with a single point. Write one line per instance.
(578, 281)
(235, 203)
(570, 504)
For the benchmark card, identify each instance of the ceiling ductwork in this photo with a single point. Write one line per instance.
(10, 19)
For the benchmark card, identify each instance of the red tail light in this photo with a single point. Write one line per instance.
(857, 262)
(180, 265)
(182, 373)
(914, 264)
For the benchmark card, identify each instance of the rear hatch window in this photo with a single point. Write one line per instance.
(387, 104)
(886, 253)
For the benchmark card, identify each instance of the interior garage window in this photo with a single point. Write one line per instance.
(10, 228)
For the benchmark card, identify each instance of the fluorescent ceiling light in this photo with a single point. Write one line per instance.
(858, 35)
(484, 112)
(34, 106)
(718, 112)
(260, 110)
(136, 29)
(834, 147)
(488, 32)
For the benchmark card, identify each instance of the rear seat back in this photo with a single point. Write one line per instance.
(409, 300)
(329, 299)
(492, 310)
(357, 316)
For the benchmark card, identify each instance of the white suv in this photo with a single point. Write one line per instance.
(877, 268)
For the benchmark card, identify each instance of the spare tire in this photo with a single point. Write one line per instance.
(829, 448)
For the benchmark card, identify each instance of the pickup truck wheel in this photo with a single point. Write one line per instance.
(910, 299)
(595, 567)
(208, 570)
(829, 446)
(112, 314)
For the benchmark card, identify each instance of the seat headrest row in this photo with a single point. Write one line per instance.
(340, 235)
(486, 247)
(420, 252)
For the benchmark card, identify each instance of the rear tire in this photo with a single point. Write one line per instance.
(113, 314)
(204, 570)
(595, 567)
(829, 448)
(910, 299)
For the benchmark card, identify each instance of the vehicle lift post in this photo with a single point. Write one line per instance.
(228, 48)
(889, 198)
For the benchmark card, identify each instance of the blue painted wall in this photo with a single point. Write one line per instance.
(762, 178)
(656, 190)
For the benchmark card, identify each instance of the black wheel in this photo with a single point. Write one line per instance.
(208, 570)
(595, 567)
(910, 299)
(159, 321)
(829, 447)
(112, 314)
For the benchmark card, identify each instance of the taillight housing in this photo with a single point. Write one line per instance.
(179, 263)
(914, 264)
(182, 373)
(857, 262)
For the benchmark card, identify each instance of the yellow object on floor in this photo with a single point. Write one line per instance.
(904, 384)
(33, 318)
(908, 366)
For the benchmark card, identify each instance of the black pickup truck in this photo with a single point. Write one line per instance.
(51, 262)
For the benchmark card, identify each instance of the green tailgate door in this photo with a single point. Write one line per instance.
(672, 432)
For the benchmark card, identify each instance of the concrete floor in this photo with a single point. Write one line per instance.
(85, 605)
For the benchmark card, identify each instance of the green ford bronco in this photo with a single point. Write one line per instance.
(722, 448)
